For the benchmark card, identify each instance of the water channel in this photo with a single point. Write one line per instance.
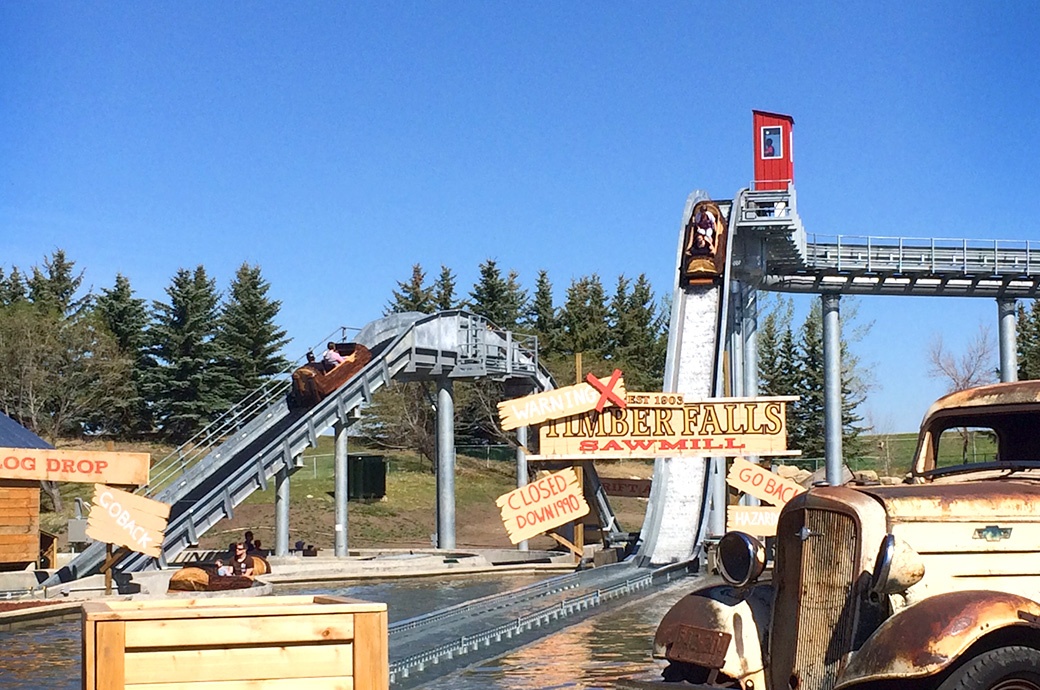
(589, 655)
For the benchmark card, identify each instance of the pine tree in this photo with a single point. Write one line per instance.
(1029, 342)
(500, 300)
(584, 317)
(444, 291)
(248, 337)
(806, 419)
(542, 317)
(187, 387)
(637, 340)
(13, 289)
(55, 286)
(126, 317)
(412, 295)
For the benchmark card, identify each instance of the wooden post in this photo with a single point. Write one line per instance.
(579, 526)
(108, 569)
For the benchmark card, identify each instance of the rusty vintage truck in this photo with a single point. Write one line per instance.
(933, 583)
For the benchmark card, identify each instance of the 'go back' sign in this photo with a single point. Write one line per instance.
(122, 518)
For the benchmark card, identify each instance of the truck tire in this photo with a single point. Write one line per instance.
(1004, 668)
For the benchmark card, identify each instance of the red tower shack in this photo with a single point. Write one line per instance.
(774, 150)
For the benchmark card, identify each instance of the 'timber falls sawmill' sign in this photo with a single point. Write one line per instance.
(655, 425)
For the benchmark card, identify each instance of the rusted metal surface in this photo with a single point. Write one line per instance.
(719, 627)
(1016, 393)
(700, 646)
(925, 638)
(965, 500)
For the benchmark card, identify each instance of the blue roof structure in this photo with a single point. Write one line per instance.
(14, 435)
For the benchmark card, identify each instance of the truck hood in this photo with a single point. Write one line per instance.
(968, 501)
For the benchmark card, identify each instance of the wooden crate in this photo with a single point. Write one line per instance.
(266, 643)
(19, 523)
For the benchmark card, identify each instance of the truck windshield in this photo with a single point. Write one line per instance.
(983, 442)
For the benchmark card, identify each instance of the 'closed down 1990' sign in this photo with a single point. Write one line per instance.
(553, 500)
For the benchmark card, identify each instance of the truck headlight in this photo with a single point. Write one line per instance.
(897, 568)
(742, 558)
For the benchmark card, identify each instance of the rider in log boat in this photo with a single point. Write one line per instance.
(704, 245)
(312, 382)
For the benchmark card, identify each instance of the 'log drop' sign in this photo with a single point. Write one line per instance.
(122, 518)
(553, 500)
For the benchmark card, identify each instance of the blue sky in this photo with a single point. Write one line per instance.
(337, 144)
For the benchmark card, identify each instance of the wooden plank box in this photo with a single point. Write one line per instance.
(266, 643)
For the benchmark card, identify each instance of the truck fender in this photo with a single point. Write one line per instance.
(928, 636)
(719, 627)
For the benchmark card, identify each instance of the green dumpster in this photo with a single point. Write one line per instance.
(366, 477)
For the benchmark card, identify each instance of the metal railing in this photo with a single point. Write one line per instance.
(165, 471)
(878, 254)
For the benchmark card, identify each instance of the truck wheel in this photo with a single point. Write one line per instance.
(1004, 668)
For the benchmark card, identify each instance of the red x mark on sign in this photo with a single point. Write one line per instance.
(607, 391)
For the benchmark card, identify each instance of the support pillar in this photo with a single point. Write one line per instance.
(521, 468)
(749, 330)
(281, 510)
(342, 485)
(445, 464)
(1008, 339)
(832, 388)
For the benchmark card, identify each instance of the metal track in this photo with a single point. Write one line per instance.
(496, 623)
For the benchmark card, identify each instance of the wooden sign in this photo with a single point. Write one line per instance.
(761, 483)
(654, 425)
(630, 488)
(553, 500)
(555, 404)
(88, 466)
(122, 518)
(759, 521)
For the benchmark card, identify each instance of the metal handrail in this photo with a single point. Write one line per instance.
(167, 469)
(904, 254)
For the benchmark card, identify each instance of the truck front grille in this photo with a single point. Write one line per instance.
(815, 609)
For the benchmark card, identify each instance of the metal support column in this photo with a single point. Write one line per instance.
(832, 388)
(1008, 340)
(445, 464)
(521, 468)
(281, 510)
(749, 331)
(342, 479)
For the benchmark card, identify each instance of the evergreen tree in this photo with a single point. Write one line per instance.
(1029, 342)
(443, 296)
(13, 289)
(55, 286)
(412, 295)
(807, 416)
(542, 317)
(778, 370)
(637, 340)
(500, 300)
(584, 318)
(248, 337)
(187, 387)
(126, 317)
